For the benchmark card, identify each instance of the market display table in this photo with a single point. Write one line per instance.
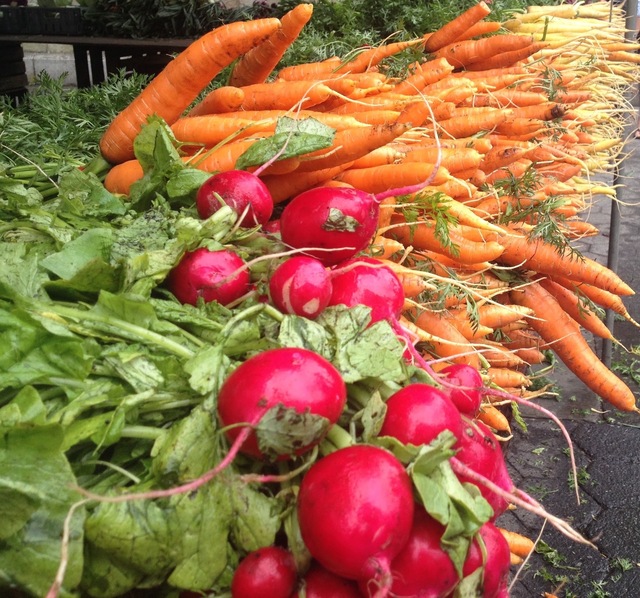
(95, 57)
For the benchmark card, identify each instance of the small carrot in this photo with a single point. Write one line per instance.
(463, 53)
(367, 58)
(427, 73)
(457, 27)
(121, 176)
(310, 70)
(491, 416)
(563, 334)
(258, 63)
(518, 544)
(384, 248)
(222, 99)
(499, 356)
(171, 92)
(508, 378)
(506, 59)
(468, 125)
(480, 28)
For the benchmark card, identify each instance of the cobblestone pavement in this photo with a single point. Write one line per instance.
(606, 444)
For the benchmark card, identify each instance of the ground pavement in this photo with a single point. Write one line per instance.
(606, 444)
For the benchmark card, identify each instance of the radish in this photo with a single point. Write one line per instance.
(321, 583)
(494, 556)
(241, 191)
(481, 452)
(423, 569)
(220, 276)
(417, 413)
(365, 281)
(342, 220)
(301, 285)
(297, 379)
(464, 387)
(355, 510)
(268, 572)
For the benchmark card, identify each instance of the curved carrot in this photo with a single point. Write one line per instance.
(506, 59)
(258, 63)
(563, 335)
(427, 73)
(370, 57)
(457, 27)
(171, 92)
(468, 124)
(518, 544)
(463, 53)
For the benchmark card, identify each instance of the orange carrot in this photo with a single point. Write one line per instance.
(383, 247)
(499, 157)
(284, 95)
(506, 59)
(499, 356)
(562, 333)
(480, 28)
(258, 63)
(491, 416)
(222, 99)
(427, 73)
(504, 98)
(457, 27)
(121, 176)
(453, 159)
(518, 544)
(171, 92)
(310, 70)
(366, 58)
(508, 378)
(468, 125)
(463, 53)
(375, 117)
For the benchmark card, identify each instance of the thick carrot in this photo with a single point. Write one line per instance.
(578, 310)
(226, 98)
(540, 256)
(171, 92)
(457, 27)
(310, 70)
(284, 95)
(463, 53)
(495, 315)
(468, 125)
(453, 159)
(121, 176)
(508, 378)
(258, 63)
(562, 333)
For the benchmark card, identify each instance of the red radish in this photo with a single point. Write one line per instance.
(321, 583)
(241, 191)
(365, 281)
(342, 220)
(273, 226)
(219, 275)
(466, 391)
(495, 556)
(297, 379)
(268, 572)
(355, 510)
(423, 569)
(417, 413)
(301, 285)
(481, 452)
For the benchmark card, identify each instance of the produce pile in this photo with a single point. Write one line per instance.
(268, 344)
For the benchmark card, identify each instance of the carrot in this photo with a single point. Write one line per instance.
(578, 310)
(499, 157)
(390, 176)
(121, 176)
(422, 235)
(507, 377)
(503, 98)
(387, 207)
(384, 248)
(562, 333)
(387, 154)
(366, 58)
(468, 125)
(463, 53)
(480, 28)
(470, 329)
(427, 73)
(457, 27)
(258, 63)
(375, 117)
(543, 257)
(494, 315)
(491, 416)
(284, 95)
(413, 282)
(518, 544)
(351, 144)
(497, 355)
(171, 92)
(506, 59)
(310, 70)
(222, 99)
(453, 159)
(445, 341)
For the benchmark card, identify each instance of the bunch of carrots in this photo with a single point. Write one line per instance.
(508, 122)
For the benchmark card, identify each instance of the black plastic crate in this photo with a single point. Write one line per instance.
(55, 21)
(13, 20)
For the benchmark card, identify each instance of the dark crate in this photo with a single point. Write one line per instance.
(13, 20)
(55, 21)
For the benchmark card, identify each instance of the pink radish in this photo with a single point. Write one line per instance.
(336, 223)
(220, 276)
(241, 191)
(464, 387)
(319, 582)
(481, 452)
(365, 281)
(268, 572)
(297, 379)
(423, 569)
(417, 413)
(355, 510)
(301, 285)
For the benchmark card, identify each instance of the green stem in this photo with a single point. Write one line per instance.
(120, 327)
(141, 432)
(339, 437)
